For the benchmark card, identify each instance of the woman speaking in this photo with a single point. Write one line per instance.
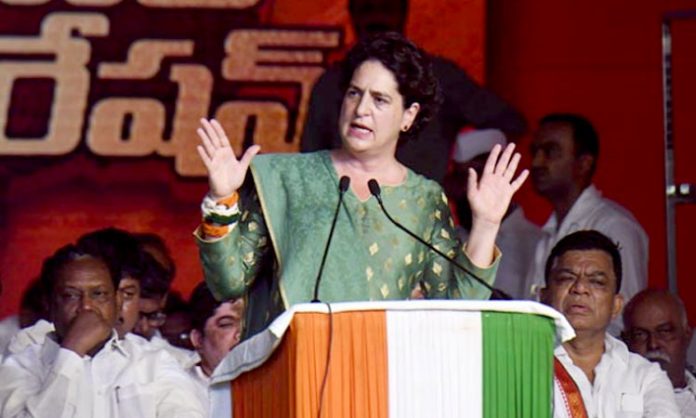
(284, 211)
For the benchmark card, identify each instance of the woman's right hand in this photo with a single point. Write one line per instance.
(225, 173)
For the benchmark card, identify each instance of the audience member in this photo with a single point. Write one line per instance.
(83, 369)
(155, 282)
(121, 250)
(177, 327)
(464, 101)
(517, 237)
(657, 328)
(154, 288)
(217, 328)
(32, 310)
(564, 152)
(583, 274)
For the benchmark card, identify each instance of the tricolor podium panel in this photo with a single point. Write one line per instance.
(395, 359)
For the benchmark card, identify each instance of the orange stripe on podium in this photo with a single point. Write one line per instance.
(288, 384)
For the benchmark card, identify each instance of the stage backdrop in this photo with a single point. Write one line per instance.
(99, 101)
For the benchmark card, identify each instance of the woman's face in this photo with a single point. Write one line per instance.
(373, 114)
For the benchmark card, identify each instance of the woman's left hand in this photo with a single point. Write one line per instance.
(489, 197)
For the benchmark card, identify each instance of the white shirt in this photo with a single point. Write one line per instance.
(625, 385)
(686, 397)
(186, 358)
(121, 380)
(517, 240)
(33, 334)
(202, 380)
(8, 328)
(592, 211)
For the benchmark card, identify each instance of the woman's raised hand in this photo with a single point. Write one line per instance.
(225, 172)
(490, 196)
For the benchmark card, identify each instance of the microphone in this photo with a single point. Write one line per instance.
(496, 294)
(343, 184)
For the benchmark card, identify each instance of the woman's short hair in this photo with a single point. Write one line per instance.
(412, 70)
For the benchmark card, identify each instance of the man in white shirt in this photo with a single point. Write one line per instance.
(217, 328)
(564, 152)
(517, 237)
(583, 275)
(83, 369)
(657, 328)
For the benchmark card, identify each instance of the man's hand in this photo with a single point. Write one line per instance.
(87, 332)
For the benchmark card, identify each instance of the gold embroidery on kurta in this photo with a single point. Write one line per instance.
(437, 269)
(385, 290)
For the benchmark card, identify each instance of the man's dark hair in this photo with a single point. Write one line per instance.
(411, 68)
(155, 245)
(585, 136)
(119, 248)
(202, 305)
(67, 254)
(584, 241)
(155, 280)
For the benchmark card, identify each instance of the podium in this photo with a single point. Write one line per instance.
(395, 359)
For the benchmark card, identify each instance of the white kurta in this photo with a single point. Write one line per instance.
(592, 211)
(625, 385)
(122, 380)
(686, 397)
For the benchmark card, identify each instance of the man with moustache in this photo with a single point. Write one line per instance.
(83, 369)
(583, 275)
(657, 328)
(564, 152)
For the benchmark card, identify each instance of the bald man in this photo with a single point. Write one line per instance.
(656, 327)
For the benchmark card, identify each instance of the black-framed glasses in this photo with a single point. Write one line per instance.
(156, 318)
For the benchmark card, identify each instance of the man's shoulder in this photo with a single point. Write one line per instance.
(637, 366)
(596, 211)
(34, 334)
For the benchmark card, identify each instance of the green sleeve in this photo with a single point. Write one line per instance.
(443, 279)
(231, 263)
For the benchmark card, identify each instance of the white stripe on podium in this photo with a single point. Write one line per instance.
(435, 364)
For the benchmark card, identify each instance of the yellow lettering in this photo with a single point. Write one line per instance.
(195, 88)
(107, 124)
(69, 71)
(271, 124)
(145, 59)
(279, 56)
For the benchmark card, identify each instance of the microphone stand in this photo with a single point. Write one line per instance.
(495, 293)
(343, 184)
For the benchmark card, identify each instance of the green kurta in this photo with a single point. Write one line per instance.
(288, 214)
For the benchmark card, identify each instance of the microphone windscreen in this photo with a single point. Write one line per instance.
(374, 187)
(343, 184)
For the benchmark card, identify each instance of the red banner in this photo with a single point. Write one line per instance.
(100, 99)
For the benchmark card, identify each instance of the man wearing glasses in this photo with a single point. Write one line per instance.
(656, 327)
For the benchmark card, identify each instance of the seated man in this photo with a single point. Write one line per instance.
(83, 369)
(656, 327)
(583, 278)
(217, 328)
